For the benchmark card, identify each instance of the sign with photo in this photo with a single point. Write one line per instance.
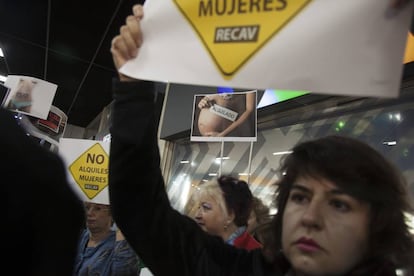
(225, 117)
(29, 96)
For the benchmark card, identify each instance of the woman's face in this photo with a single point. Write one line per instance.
(98, 217)
(325, 231)
(210, 216)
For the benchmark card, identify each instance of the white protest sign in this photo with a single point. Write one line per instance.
(87, 162)
(29, 95)
(350, 47)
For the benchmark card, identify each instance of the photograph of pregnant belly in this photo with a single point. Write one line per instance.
(225, 115)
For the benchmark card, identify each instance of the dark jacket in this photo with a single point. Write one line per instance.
(168, 242)
(44, 217)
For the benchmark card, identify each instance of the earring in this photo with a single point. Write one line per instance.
(226, 225)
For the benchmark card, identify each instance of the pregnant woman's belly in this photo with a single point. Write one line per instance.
(209, 122)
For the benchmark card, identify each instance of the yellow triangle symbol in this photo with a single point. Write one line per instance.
(234, 30)
(409, 49)
(90, 170)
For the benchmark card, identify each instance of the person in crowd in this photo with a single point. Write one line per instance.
(259, 219)
(341, 205)
(224, 207)
(102, 249)
(44, 216)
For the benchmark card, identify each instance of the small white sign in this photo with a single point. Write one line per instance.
(224, 112)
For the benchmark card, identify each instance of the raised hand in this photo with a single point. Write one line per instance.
(125, 46)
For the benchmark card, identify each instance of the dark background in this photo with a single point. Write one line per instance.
(66, 43)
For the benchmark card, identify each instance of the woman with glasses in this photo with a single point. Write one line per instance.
(103, 250)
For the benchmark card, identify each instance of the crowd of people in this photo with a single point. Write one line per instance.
(341, 205)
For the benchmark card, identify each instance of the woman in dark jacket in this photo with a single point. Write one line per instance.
(341, 205)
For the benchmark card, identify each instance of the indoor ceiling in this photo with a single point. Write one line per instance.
(66, 43)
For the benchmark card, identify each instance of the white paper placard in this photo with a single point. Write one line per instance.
(336, 47)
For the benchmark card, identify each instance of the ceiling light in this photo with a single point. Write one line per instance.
(390, 143)
(394, 116)
(220, 159)
(184, 161)
(212, 174)
(1, 53)
(223, 158)
(282, 152)
(3, 78)
(410, 221)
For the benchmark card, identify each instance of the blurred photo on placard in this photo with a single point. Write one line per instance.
(29, 95)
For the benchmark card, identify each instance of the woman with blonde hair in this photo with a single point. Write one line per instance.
(224, 206)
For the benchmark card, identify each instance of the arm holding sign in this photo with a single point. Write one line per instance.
(168, 242)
